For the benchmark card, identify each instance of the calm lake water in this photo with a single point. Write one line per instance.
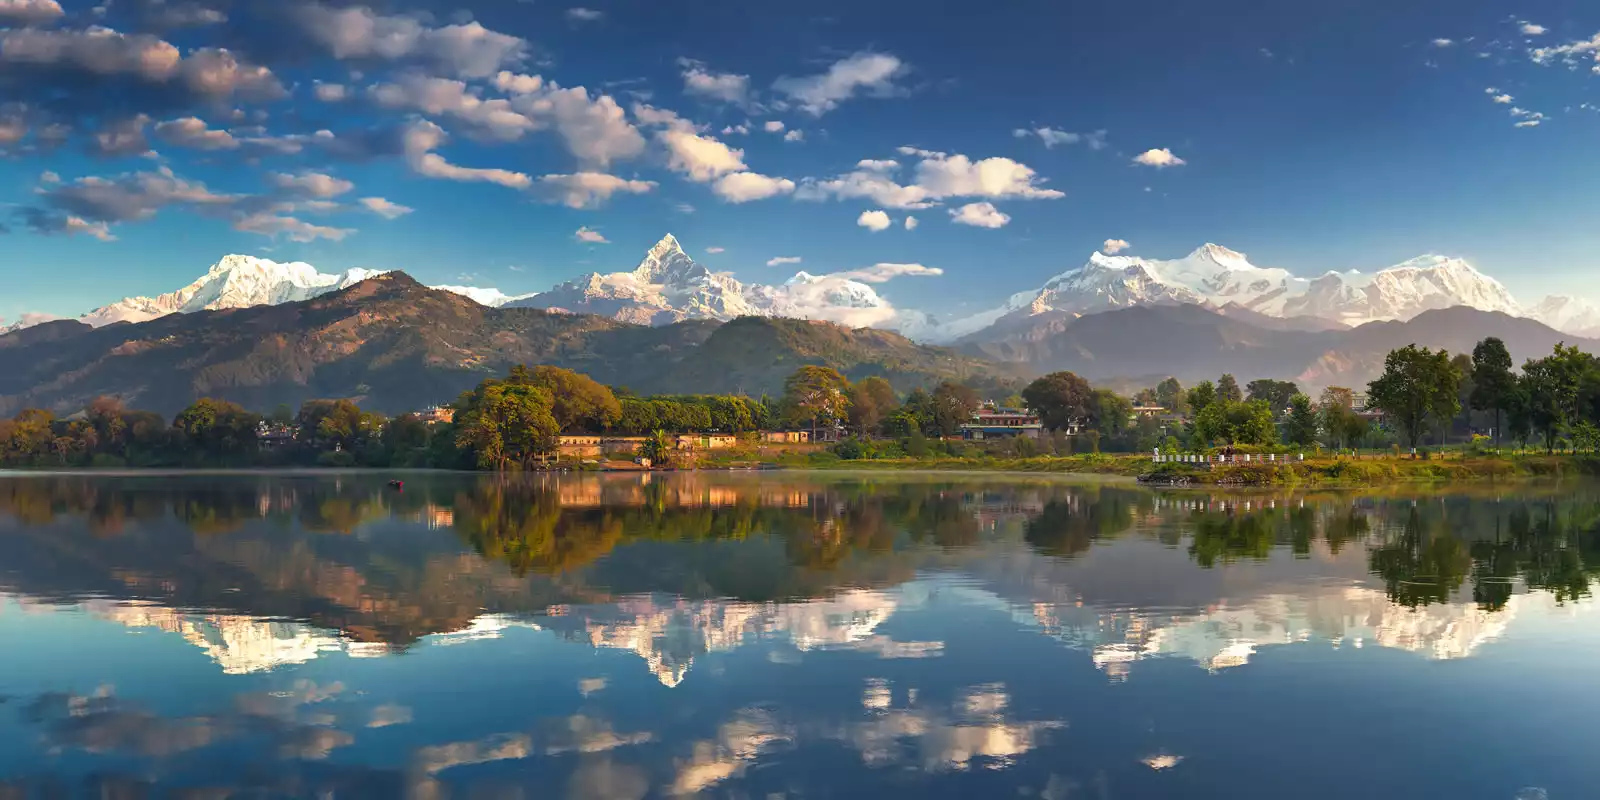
(792, 636)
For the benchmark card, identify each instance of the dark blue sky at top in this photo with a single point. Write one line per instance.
(1315, 136)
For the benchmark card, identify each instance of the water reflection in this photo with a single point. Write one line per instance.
(902, 622)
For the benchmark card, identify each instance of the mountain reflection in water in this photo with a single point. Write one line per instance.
(943, 627)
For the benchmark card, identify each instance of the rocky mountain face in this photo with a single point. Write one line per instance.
(394, 345)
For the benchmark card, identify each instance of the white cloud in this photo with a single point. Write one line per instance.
(585, 234)
(700, 157)
(595, 129)
(581, 14)
(874, 220)
(911, 223)
(1527, 123)
(726, 87)
(311, 184)
(1531, 29)
(298, 230)
(1159, 158)
(869, 73)
(29, 12)
(772, 126)
(795, 136)
(715, 250)
(357, 32)
(1051, 137)
(194, 133)
(883, 273)
(330, 92)
(1443, 42)
(1570, 52)
(588, 189)
(420, 139)
(937, 176)
(735, 130)
(877, 165)
(782, 260)
(384, 208)
(980, 215)
(743, 187)
(1503, 99)
(1115, 246)
(493, 118)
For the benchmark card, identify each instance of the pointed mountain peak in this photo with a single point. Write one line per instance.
(668, 244)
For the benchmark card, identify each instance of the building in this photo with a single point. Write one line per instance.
(994, 422)
(434, 415)
(706, 441)
(271, 435)
(785, 437)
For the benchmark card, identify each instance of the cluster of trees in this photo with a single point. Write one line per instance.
(1554, 400)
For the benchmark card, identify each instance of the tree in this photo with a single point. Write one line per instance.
(1202, 395)
(1552, 385)
(816, 395)
(578, 402)
(503, 423)
(1492, 380)
(1417, 385)
(329, 424)
(1169, 395)
(872, 400)
(1228, 389)
(1278, 394)
(1062, 400)
(1301, 427)
(657, 447)
(953, 405)
(1113, 417)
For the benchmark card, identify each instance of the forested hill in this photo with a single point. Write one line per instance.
(393, 345)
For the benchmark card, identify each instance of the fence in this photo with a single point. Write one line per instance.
(1240, 458)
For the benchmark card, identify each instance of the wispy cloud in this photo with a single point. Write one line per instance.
(782, 260)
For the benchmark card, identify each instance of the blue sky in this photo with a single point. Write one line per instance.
(1311, 137)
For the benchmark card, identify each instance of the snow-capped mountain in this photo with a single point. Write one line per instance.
(239, 281)
(668, 286)
(1217, 277)
(1572, 315)
(234, 282)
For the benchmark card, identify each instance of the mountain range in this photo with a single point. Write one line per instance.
(394, 345)
(668, 286)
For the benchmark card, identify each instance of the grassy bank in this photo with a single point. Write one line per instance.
(1319, 471)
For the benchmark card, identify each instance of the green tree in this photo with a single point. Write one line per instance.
(1228, 389)
(505, 423)
(1170, 395)
(578, 402)
(657, 447)
(1278, 394)
(1203, 394)
(872, 400)
(1062, 400)
(1417, 385)
(1301, 426)
(1113, 418)
(816, 395)
(1554, 385)
(953, 406)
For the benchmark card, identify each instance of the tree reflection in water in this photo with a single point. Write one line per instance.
(776, 537)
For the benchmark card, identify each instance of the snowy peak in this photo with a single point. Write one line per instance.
(666, 262)
(1572, 315)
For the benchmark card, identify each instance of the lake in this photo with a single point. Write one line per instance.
(792, 635)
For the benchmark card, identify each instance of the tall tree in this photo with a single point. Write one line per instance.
(1276, 393)
(1203, 394)
(1492, 380)
(1113, 417)
(1301, 427)
(953, 404)
(578, 402)
(1062, 400)
(1553, 386)
(1417, 385)
(504, 423)
(816, 395)
(1170, 396)
(1228, 389)
(872, 400)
